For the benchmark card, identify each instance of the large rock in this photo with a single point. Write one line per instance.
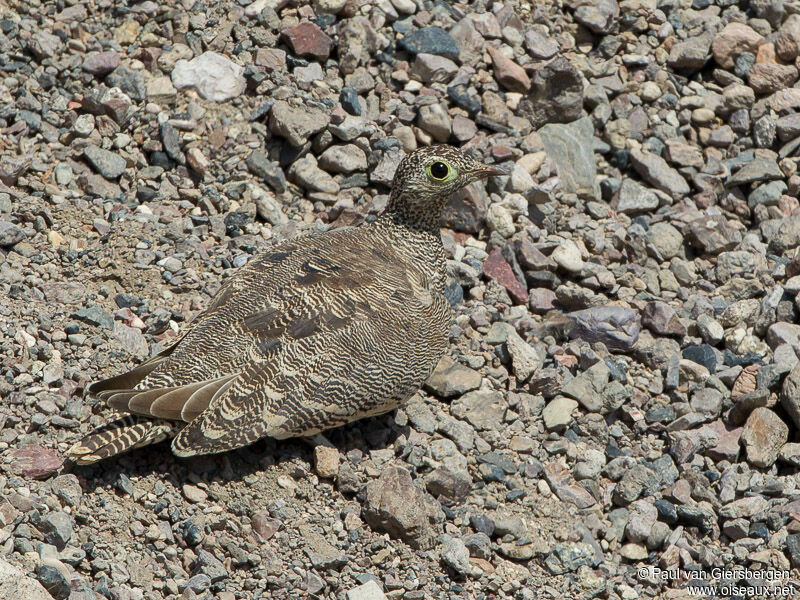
(396, 505)
(556, 94)
(430, 40)
(297, 123)
(763, 436)
(734, 39)
(14, 584)
(657, 172)
(790, 394)
(570, 146)
(482, 409)
(617, 327)
(599, 16)
(307, 39)
(214, 76)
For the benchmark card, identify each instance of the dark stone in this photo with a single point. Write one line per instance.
(460, 95)
(556, 94)
(430, 40)
(235, 221)
(702, 354)
(697, 516)
(96, 316)
(54, 581)
(126, 300)
(452, 485)
(269, 171)
(192, 533)
(172, 143)
(663, 413)
(666, 511)
(793, 545)
(130, 82)
(349, 99)
(482, 524)
(616, 326)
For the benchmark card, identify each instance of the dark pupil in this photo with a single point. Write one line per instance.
(439, 170)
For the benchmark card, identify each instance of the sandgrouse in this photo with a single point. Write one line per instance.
(313, 333)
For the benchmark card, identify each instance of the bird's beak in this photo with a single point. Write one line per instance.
(485, 171)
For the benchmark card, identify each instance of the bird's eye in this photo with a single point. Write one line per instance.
(439, 170)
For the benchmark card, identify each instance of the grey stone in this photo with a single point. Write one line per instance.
(297, 123)
(430, 40)
(658, 173)
(763, 436)
(10, 234)
(617, 327)
(451, 378)
(109, 164)
(558, 413)
(690, 54)
(635, 198)
(570, 146)
(429, 68)
(320, 552)
(664, 241)
(367, 591)
(343, 159)
(396, 505)
(455, 555)
(758, 169)
(56, 527)
(556, 95)
(599, 17)
(587, 387)
(484, 410)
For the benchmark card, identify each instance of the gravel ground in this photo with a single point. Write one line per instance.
(623, 385)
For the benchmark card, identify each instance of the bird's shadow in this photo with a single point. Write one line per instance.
(372, 433)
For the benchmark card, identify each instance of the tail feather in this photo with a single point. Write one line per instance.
(119, 436)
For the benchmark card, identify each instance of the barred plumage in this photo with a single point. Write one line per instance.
(314, 333)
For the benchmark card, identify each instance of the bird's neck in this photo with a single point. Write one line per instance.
(422, 217)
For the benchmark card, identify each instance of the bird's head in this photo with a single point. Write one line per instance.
(426, 178)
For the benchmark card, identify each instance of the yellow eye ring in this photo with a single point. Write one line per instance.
(439, 170)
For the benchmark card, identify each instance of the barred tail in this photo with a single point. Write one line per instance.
(121, 435)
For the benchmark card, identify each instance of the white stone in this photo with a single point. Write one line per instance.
(500, 220)
(520, 181)
(568, 256)
(214, 76)
(367, 591)
(254, 9)
(558, 414)
(406, 7)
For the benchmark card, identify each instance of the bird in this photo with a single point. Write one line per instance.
(312, 333)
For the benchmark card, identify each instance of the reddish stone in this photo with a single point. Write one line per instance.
(508, 73)
(566, 360)
(149, 56)
(306, 39)
(728, 446)
(541, 300)
(766, 54)
(496, 267)
(35, 462)
(271, 58)
(264, 526)
(558, 478)
(100, 64)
